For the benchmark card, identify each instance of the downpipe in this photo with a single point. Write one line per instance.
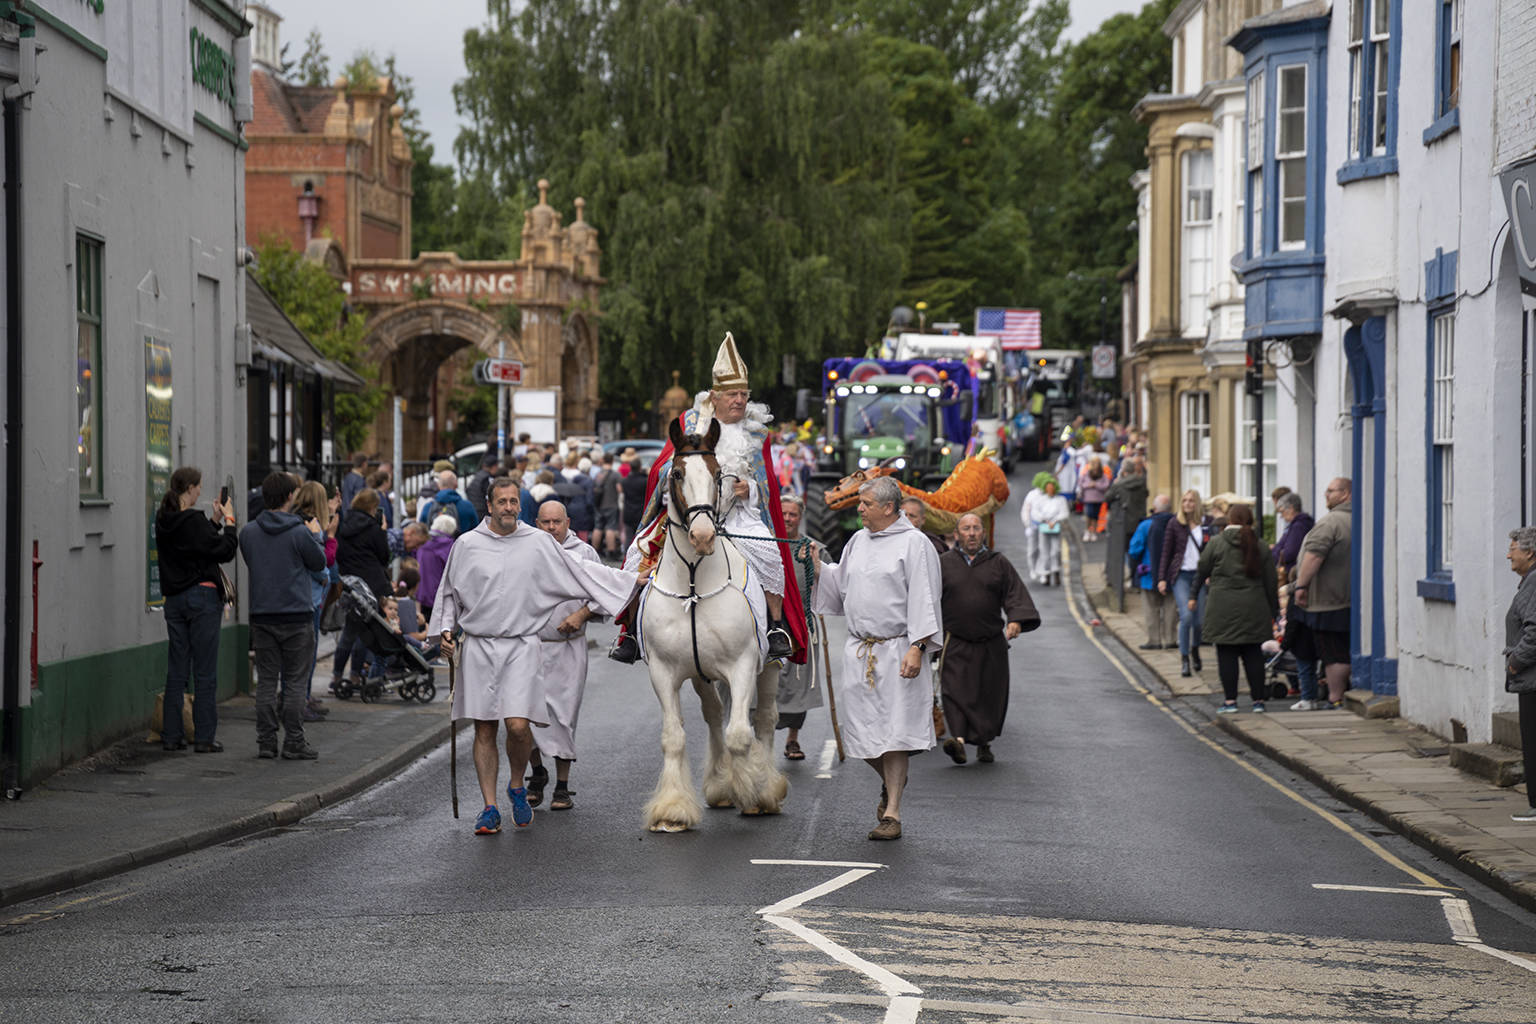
(10, 726)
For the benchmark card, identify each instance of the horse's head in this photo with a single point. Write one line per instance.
(846, 493)
(694, 484)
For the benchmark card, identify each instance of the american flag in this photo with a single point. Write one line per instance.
(1016, 328)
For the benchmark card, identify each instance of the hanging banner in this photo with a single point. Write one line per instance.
(157, 452)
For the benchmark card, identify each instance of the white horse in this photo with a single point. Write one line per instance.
(697, 624)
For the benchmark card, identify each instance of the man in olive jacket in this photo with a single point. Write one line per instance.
(1520, 653)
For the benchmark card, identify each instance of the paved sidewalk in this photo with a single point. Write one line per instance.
(1394, 771)
(133, 804)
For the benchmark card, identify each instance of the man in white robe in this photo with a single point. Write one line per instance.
(499, 586)
(888, 586)
(563, 668)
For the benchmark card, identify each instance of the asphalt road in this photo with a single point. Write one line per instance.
(1110, 866)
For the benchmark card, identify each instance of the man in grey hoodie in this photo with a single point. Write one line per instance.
(281, 550)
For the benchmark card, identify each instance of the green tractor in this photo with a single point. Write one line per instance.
(911, 415)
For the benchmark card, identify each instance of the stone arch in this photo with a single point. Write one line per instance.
(578, 372)
(433, 317)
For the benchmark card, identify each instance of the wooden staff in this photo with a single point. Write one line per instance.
(453, 741)
(826, 662)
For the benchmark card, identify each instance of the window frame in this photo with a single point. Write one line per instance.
(1192, 229)
(1254, 161)
(1290, 161)
(1439, 453)
(1375, 60)
(1189, 401)
(1245, 460)
(90, 286)
(1447, 87)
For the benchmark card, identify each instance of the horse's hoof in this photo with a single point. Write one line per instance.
(669, 826)
(720, 804)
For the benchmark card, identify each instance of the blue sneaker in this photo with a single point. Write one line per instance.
(1227, 709)
(522, 810)
(489, 822)
(1258, 707)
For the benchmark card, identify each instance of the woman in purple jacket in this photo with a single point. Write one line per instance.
(1183, 540)
(431, 557)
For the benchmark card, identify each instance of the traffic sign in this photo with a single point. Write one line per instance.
(1104, 361)
(499, 371)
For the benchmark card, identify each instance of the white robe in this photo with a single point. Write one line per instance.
(500, 590)
(563, 668)
(887, 585)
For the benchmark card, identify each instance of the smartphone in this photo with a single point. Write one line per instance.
(224, 495)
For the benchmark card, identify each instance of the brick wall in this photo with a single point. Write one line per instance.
(1515, 112)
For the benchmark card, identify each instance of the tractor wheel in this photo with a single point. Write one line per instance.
(823, 523)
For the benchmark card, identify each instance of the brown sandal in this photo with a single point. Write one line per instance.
(792, 751)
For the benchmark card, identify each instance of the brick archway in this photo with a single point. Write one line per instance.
(441, 319)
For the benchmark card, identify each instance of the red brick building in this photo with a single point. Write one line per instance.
(329, 170)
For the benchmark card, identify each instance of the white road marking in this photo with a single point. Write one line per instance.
(790, 903)
(899, 1010)
(828, 755)
(1518, 961)
(822, 863)
(1038, 1012)
(889, 984)
(1382, 889)
(1458, 914)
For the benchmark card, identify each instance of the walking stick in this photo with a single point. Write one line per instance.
(826, 661)
(453, 741)
(938, 686)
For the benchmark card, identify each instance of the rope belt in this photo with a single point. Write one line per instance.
(867, 651)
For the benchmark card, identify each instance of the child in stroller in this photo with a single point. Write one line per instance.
(395, 659)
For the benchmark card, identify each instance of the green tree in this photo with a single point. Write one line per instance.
(315, 303)
(314, 65)
(740, 163)
(1080, 157)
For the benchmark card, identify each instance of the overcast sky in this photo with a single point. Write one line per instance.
(428, 39)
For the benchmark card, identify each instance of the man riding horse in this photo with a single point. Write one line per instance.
(752, 516)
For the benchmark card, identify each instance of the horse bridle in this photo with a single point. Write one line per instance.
(691, 511)
(693, 597)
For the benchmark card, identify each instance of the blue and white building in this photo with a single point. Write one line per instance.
(1389, 194)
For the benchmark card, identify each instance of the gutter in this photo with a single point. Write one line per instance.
(14, 98)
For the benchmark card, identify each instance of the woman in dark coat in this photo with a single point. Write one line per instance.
(362, 550)
(1244, 601)
(190, 547)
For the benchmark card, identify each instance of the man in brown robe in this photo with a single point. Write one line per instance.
(985, 605)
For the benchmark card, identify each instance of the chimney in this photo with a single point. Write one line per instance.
(266, 46)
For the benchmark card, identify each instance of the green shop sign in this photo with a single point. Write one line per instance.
(213, 67)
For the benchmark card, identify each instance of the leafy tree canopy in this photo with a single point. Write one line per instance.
(315, 303)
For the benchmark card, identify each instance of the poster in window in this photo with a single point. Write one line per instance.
(157, 452)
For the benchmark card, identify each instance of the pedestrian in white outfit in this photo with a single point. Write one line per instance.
(888, 587)
(563, 667)
(1050, 515)
(500, 585)
(1031, 528)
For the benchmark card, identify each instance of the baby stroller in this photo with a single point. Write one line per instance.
(409, 675)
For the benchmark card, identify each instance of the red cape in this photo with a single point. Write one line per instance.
(794, 607)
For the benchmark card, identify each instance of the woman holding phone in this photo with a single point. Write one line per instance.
(191, 546)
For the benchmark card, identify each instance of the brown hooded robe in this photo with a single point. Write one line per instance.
(979, 600)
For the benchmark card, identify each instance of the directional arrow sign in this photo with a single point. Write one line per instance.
(499, 371)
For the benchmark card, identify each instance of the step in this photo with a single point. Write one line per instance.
(1370, 705)
(1499, 765)
(1506, 729)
